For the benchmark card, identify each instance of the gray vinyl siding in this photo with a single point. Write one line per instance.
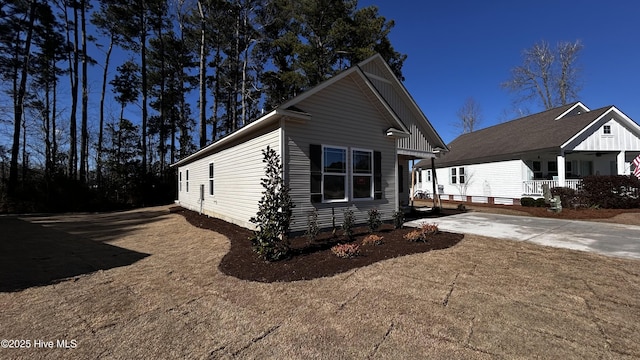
(238, 169)
(343, 116)
(410, 116)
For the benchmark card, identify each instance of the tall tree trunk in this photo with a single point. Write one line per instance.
(73, 75)
(18, 109)
(84, 134)
(143, 64)
(101, 125)
(47, 131)
(203, 78)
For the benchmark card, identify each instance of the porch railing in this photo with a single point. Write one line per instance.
(534, 187)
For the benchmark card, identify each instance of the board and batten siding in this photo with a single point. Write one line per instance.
(341, 115)
(238, 169)
(619, 139)
(502, 179)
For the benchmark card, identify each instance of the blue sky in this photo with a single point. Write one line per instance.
(462, 49)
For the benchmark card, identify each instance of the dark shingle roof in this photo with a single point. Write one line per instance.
(530, 133)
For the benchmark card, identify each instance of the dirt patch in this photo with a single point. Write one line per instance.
(483, 298)
(311, 260)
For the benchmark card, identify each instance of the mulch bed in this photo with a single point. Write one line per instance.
(311, 260)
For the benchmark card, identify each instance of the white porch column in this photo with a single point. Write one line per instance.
(620, 161)
(561, 169)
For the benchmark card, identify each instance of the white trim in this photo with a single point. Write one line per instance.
(346, 174)
(586, 109)
(371, 176)
(625, 120)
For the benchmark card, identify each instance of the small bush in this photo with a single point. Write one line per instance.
(422, 234)
(569, 198)
(348, 223)
(540, 202)
(312, 226)
(373, 222)
(398, 219)
(346, 251)
(372, 240)
(527, 201)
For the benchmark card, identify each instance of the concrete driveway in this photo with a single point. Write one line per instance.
(603, 238)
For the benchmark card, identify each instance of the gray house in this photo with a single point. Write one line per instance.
(344, 144)
(557, 147)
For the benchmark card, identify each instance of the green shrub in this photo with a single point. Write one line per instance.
(540, 202)
(346, 251)
(312, 225)
(348, 223)
(398, 219)
(373, 222)
(527, 201)
(275, 210)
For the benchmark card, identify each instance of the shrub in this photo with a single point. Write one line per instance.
(372, 240)
(373, 222)
(398, 219)
(346, 251)
(540, 202)
(569, 198)
(618, 191)
(275, 209)
(348, 223)
(312, 225)
(527, 201)
(423, 233)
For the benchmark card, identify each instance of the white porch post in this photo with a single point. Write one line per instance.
(561, 169)
(620, 161)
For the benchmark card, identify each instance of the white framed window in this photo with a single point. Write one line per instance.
(362, 174)
(454, 176)
(461, 177)
(211, 179)
(334, 174)
(187, 180)
(429, 175)
(606, 130)
(180, 181)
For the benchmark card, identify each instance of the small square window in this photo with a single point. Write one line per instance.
(606, 129)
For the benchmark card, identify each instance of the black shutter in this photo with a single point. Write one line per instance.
(315, 161)
(377, 175)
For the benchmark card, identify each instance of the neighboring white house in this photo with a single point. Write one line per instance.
(345, 143)
(502, 163)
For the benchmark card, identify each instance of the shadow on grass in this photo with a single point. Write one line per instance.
(34, 255)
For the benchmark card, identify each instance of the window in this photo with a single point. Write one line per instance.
(420, 176)
(568, 169)
(362, 165)
(457, 176)
(334, 179)
(552, 167)
(211, 178)
(187, 181)
(428, 175)
(180, 181)
(537, 170)
(606, 129)
(334, 174)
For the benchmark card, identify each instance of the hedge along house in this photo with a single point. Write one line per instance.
(344, 144)
(557, 147)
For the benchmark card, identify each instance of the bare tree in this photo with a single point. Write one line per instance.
(548, 75)
(469, 116)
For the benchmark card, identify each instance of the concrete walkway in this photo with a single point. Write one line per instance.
(603, 238)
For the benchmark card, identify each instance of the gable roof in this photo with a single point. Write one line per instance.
(288, 110)
(547, 130)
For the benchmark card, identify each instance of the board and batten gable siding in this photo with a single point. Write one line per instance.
(621, 138)
(405, 111)
(343, 116)
(238, 169)
(502, 179)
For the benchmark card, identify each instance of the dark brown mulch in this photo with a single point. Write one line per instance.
(311, 260)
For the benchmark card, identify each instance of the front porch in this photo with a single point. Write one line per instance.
(534, 187)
